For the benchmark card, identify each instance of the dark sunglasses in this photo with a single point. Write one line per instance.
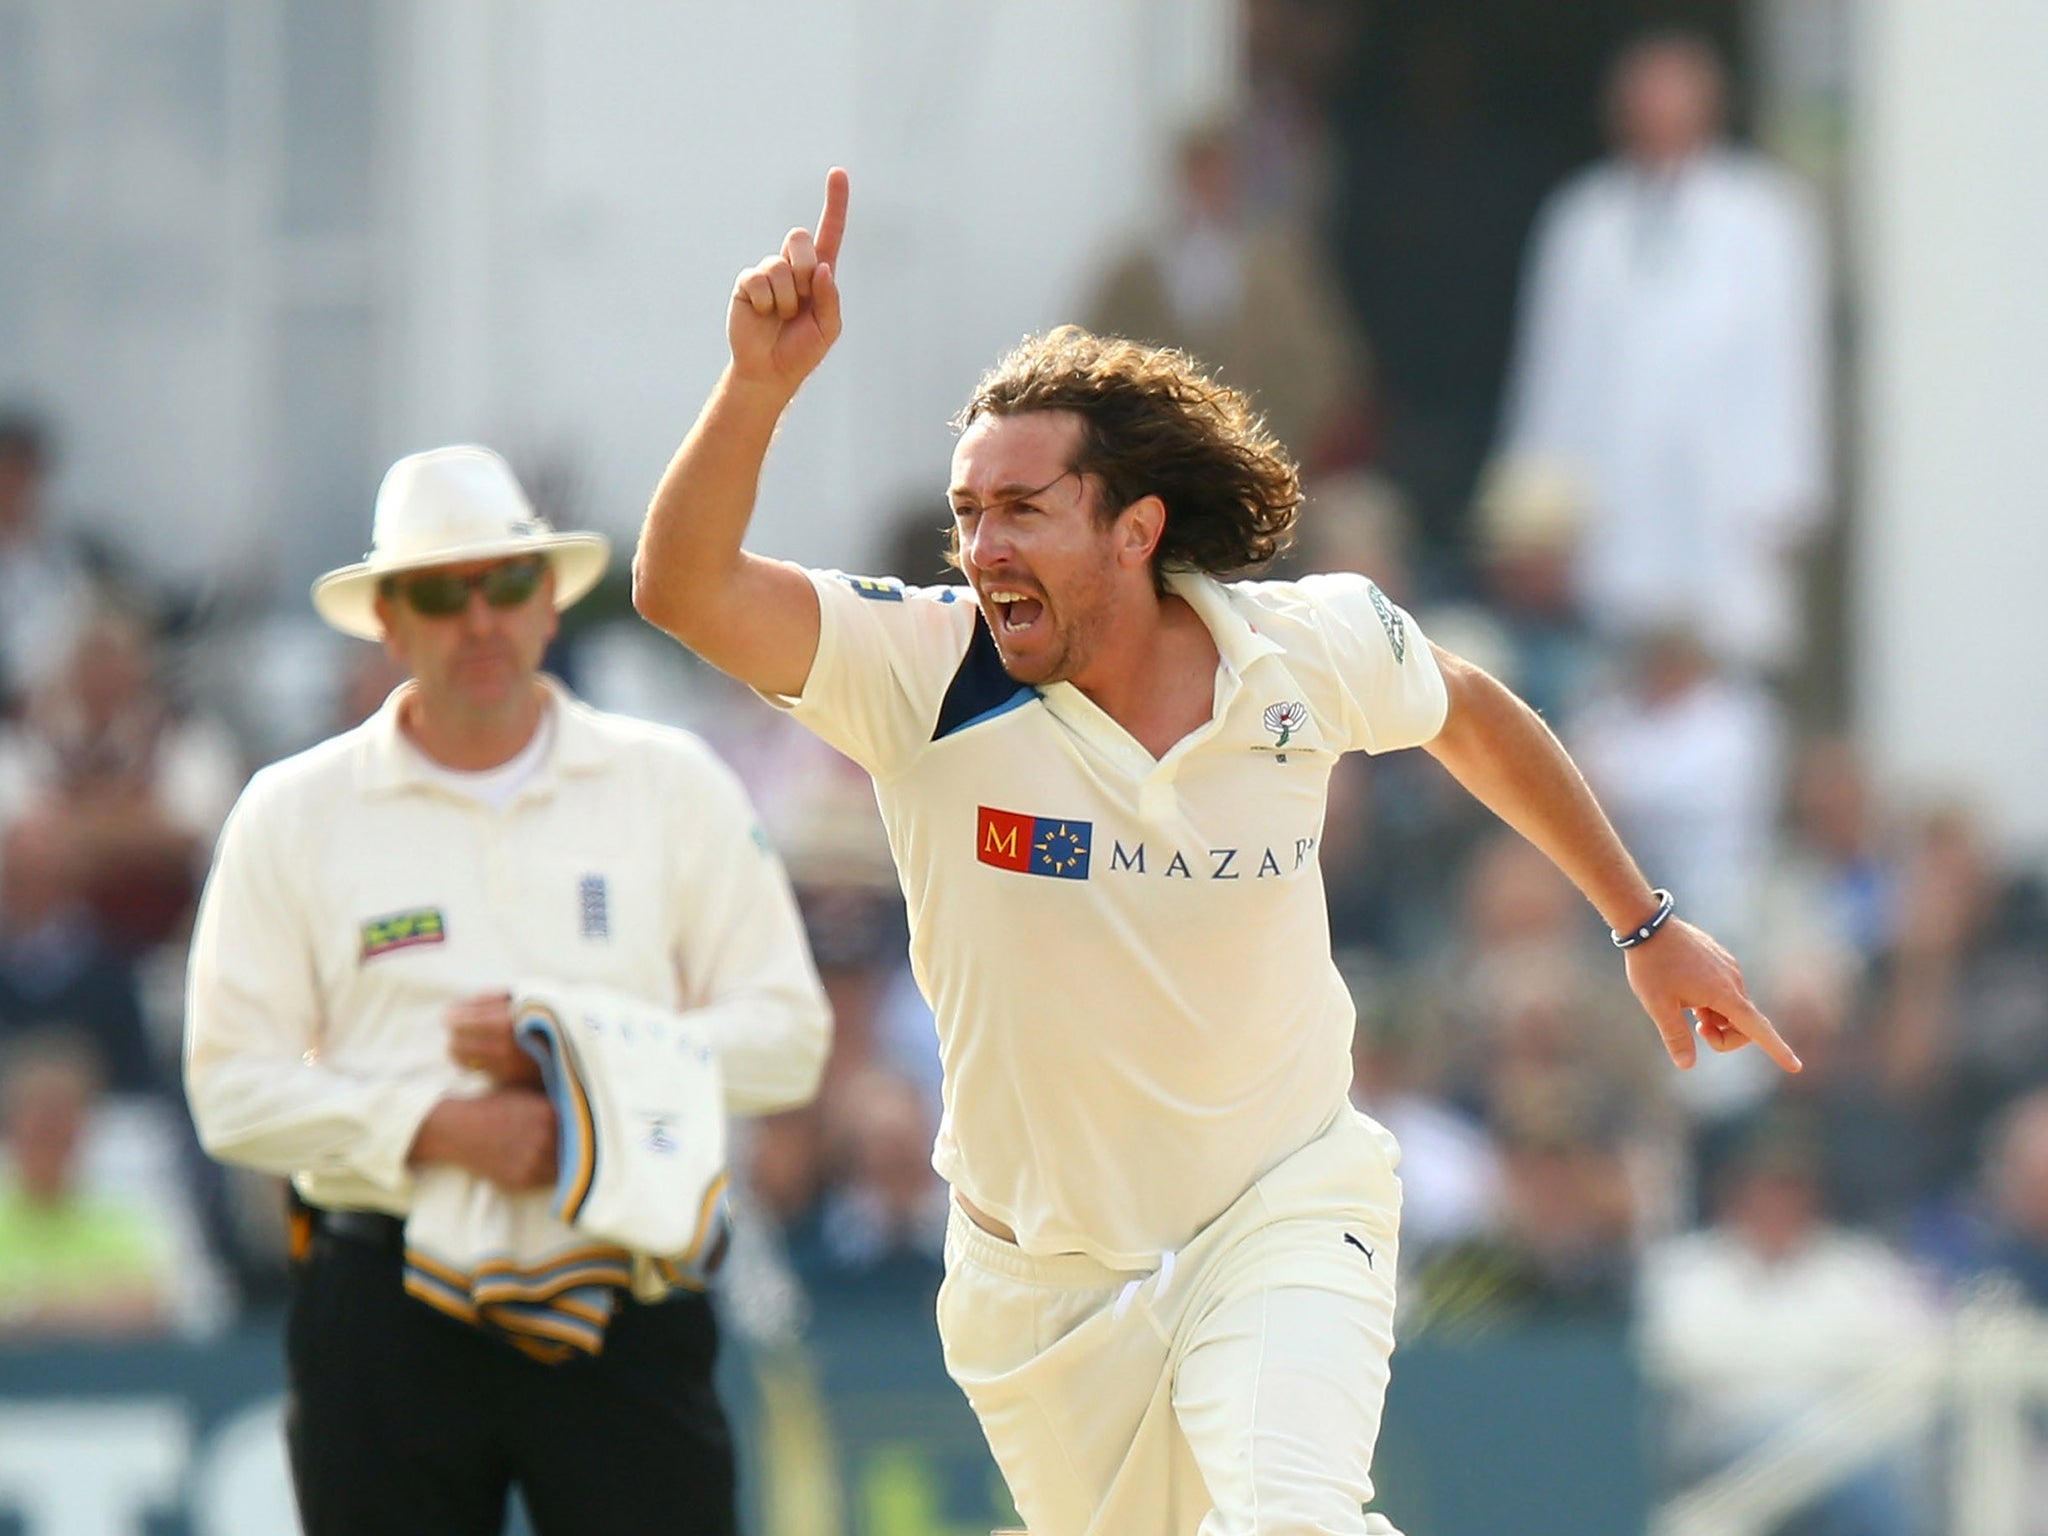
(440, 595)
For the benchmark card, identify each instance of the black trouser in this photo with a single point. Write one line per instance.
(405, 1422)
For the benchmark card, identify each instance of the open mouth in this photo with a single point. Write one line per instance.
(1012, 612)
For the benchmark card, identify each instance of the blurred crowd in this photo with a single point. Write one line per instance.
(1623, 546)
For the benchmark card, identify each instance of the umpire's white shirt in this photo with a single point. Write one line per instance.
(1129, 959)
(355, 895)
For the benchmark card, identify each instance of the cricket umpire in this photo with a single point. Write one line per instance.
(372, 902)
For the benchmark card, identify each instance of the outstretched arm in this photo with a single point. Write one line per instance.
(1500, 750)
(752, 617)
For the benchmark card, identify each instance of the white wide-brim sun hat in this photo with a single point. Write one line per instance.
(445, 507)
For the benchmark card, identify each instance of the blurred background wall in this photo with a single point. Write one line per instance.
(255, 250)
(1951, 233)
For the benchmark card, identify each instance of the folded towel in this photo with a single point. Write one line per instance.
(641, 1104)
(500, 1261)
(640, 1195)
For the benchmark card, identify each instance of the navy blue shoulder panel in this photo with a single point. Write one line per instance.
(980, 687)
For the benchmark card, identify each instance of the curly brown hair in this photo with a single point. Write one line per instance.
(1154, 424)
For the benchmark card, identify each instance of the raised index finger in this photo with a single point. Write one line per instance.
(832, 222)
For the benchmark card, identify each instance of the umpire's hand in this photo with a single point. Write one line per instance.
(507, 1137)
(481, 1038)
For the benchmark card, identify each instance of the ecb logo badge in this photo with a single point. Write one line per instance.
(593, 903)
(1051, 846)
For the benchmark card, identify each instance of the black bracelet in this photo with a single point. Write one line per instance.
(1646, 930)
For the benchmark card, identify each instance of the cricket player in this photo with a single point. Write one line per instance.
(1169, 1292)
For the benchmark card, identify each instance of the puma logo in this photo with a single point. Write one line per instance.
(1354, 1242)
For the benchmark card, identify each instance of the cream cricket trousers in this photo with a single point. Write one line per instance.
(1234, 1391)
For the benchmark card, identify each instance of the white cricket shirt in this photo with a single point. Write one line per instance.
(356, 894)
(1129, 959)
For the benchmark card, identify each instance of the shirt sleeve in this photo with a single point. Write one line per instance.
(886, 655)
(740, 948)
(260, 1095)
(1390, 691)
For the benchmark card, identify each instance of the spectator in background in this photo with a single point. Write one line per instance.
(784, 1160)
(44, 589)
(1525, 998)
(1834, 884)
(820, 812)
(55, 966)
(1768, 1314)
(1450, 1171)
(1354, 520)
(136, 791)
(1562, 1248)
(1962, 995)
(1297, 56)
(1526, 518)
(1254, 301)
(72, 1265)
(2010, 1238)
(882, 1222)
(1688, 758)
(1672, 353)
(1872, 1158)
(1535, 1042)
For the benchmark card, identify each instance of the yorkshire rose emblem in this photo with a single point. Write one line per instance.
(1285, 719)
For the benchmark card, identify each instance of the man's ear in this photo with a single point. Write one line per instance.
(547, 596)
(1140, 527)
(389, 640)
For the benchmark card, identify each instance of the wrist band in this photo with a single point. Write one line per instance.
(1646, 930)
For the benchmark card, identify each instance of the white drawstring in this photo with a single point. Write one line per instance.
(1129, 1293)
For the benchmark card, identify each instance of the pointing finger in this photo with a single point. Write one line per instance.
(832, 222)
(1743, 1017)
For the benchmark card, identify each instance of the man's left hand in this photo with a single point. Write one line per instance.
(480, 1038)
(1682, 968)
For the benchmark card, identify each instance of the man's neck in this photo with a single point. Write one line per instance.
(1666, 167)
(1159, 677)
(472, 742)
